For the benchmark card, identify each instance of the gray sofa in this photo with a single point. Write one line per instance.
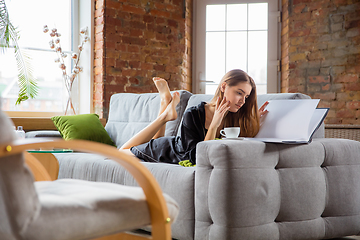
(239, 189)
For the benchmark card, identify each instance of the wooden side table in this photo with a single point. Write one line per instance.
(48, 160)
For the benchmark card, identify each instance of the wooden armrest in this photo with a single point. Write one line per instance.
(155, 199)
(38, 170)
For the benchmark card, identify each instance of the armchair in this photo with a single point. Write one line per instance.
(76, 209)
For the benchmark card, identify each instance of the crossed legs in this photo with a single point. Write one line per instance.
(167, 113)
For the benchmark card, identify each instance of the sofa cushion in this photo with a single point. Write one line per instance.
(129, 113)
(174, 180)
(117, 208)
(305, 191)
(82, 126)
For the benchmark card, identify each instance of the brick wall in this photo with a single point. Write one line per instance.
(136, 40)
(321, 54)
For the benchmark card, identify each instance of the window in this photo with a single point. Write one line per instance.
(236, 34)
(68, 16)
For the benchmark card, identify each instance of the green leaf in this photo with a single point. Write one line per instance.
(26, 80)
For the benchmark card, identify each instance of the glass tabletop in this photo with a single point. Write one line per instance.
(51, 151)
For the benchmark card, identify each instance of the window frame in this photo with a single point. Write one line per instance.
(274, 50)
(83, 13)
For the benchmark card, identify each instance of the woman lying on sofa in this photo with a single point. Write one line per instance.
(234, 105)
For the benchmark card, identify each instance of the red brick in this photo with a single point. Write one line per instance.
(352, 87)
(98, 96)
(121, 64)
(325, 96)
(124, 15)
(172, 23)
(98, 45)
(99, 53)
(300, 33)
(128, 8)
(352, 32)
(121, 47)
(160, 21)
(112, 4)
(98, 70)
(136, 33)
(111, 12)
(296, 89)
(112, 89)
(149, 35)
(99, 4)
(160, 6)
(99, 20)
(158, 13)
(161, 37)
(137, 24)
(112, 21)
(349, 121)
(353, 105)
(347, 78)
(99, 28)
(132, 48)
(112, 54)
(98, 12)
(295, 2)
(121, 80)
(110, 61)
(298, 25)
(297, 57)
(324, 104)
(301, 16)
(171, 8)
(148, 19)
(134, 81)
(299, 8)
(146, 66)
(326, 87)
(129, 72)
(133, 40)
(319, 79)
(337, 105)
(172, 69)
(159, 68)
(134, 64)
(110, 44)
(345, 113)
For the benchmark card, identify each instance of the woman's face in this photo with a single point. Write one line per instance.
(237, 94)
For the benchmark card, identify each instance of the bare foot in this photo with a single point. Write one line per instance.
(170, 112)
(163, 88)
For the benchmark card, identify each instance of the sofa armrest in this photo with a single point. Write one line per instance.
(255, 190)
(42, 134)
(37, 123)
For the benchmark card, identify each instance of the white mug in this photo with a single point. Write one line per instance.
(230, 132)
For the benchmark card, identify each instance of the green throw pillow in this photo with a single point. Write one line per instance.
(82, 126)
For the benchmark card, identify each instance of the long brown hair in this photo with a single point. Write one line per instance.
(247, 118)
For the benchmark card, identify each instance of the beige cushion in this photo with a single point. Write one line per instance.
(77, 209)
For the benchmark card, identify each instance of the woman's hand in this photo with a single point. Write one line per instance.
(221, 109)
(263, 111)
